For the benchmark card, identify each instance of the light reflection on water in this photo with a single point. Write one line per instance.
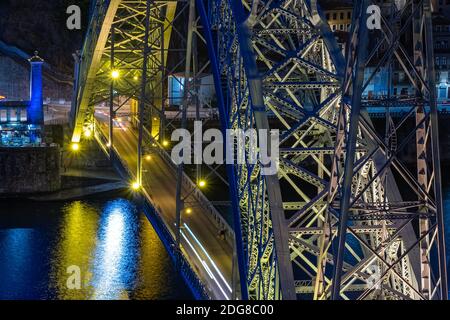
(119, 254)
(116, 252)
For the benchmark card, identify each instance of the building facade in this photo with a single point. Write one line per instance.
(339, 16)
(442, 56)
(22, 121)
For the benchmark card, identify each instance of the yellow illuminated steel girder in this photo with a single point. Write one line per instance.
(95, 56)
(91, 67)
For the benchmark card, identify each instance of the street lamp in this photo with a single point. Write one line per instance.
(135, 186)
(115, 74)
(87, 133)
(75, 147)
(202, 183)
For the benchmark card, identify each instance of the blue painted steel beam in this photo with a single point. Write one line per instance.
(224, 120)
(356, 76)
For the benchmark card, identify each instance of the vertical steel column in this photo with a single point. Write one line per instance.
(224, 120)
(197, 84)
(357, 78)
(143, 94)
(435, 149)
(162, 120)
(281, 234)
(421, 150)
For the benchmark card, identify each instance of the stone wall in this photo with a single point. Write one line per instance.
(29, 170)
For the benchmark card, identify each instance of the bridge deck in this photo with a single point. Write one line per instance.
(209, 255)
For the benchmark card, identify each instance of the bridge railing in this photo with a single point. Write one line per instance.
(187, 271)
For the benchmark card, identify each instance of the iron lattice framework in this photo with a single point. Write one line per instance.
(134, 38)
(403, 244)
(131, 49)
(333, 222)
(274, 59)
(330, 225)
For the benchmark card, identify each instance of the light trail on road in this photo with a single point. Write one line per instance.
(206, 253)
(204, 264)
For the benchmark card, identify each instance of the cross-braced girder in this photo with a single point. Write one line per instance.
(293, 86)
(280, 68)
(116, 42)
(407, 255)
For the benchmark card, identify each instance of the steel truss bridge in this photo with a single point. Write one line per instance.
(344, 218)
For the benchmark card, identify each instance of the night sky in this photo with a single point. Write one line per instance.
(41, 25)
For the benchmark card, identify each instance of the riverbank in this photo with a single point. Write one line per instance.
(77, 184)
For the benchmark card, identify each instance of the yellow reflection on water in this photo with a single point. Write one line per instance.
(114, 247)
(78, 238)
(117, 251)
(108, 284)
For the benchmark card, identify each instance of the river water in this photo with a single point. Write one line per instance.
(100, 248)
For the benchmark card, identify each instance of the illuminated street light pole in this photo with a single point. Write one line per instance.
(179, 204)
(143, 93)
(162, 119)
(111, 96)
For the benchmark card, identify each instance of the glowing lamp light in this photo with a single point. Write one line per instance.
(75, 147)
(115, 74)
(188, 210)
(202, 183)
(135, 186)
(88, 133)
(148, 158)
(135, 78)
(165, 143)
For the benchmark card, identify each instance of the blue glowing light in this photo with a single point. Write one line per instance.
(35, 111)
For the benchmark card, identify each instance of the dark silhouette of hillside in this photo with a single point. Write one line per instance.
(41, 25)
